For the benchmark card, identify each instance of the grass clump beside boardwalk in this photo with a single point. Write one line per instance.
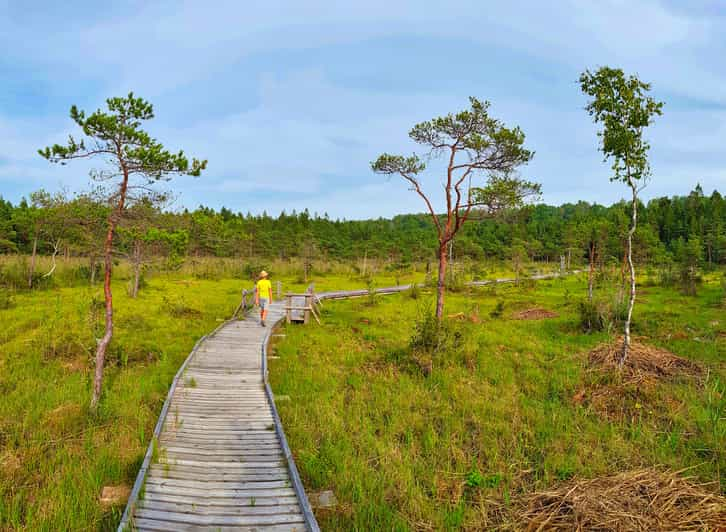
(498, 415)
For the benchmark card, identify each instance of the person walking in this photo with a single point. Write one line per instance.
(263, 295)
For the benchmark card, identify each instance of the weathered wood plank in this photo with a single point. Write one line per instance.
(242, 464)
(235, 457)
(214, 445)
(218, 397)
(202, 416)
(207, 509)
(217, 434)
(224, 520)
(240, 424)
(222, 485)
(221, 439)
(216, 451)
(232, 405)
(217, 476)
(219, 502)
(220, 400)
(203, 492)
(230, 471)
(154, 525)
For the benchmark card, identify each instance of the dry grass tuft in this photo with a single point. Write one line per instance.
(644, 362)
(647, 499)
(633, 392)
(75, 365)
(114, 495)
(535, 314)
(10, 463)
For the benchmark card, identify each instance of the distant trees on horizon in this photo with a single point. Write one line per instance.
(545, 231)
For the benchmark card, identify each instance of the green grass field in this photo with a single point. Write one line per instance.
(54, 457)
(496, 417)
(400, 450)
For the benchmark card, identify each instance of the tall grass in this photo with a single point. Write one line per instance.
(405, 449)
(76, 271)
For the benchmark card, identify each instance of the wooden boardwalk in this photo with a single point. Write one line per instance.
(221, 461)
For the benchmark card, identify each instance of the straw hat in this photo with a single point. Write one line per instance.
(263, 274)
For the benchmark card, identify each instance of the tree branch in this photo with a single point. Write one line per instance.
(417, 187)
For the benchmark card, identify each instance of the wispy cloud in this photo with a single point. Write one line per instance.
(291, 101)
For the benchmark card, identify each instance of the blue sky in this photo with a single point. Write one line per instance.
(290, 101)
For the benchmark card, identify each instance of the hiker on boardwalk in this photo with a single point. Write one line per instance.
(263, 295)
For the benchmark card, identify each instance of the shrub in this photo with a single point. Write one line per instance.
(689, 255)
(593, 315)
(455, 282)
(498, 310)
(372, 298)
(601, 315)
(690, 279)
(433, 337)
(57, 342)
(428, 332)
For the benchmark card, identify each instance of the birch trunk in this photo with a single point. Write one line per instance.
(631, 268)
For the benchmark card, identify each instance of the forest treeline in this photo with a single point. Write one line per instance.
(670, 226)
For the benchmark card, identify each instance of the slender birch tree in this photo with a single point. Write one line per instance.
(481, 156)
(134, 160)
(622, 105)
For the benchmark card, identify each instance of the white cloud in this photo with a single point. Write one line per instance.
(306, 136)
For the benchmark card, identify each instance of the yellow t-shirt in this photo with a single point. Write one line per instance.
(264, 289)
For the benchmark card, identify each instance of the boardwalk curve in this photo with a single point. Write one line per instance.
(219, 458)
